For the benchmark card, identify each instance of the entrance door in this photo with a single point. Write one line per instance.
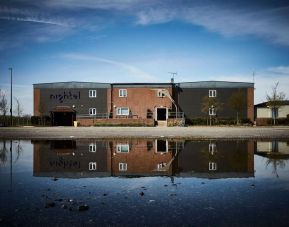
(161, 114)
(63, 118)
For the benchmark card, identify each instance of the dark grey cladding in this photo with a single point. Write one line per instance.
(77, 98)
(72, 84)
(190, 101)
(215, 84)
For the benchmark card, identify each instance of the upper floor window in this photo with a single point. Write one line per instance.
(212, 111)
(122, 93)
(92, 93)
(212, 166)
(122, 166)
(122, 111)
(92, 166)
(161, 93)
(92, 111)
(212, 93)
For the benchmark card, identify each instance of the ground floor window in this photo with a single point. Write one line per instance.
(92, 147)
(122, 111)
(122, 148)
(92, 111)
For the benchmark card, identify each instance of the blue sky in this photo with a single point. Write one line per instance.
(142, 41)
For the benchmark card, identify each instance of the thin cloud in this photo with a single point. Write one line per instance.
(132, 70)
(270, 24)
(33, 20)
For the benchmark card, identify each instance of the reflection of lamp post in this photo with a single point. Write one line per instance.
(10, 165)
(11, 120)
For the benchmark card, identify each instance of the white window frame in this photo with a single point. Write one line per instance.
(92, 93)
(92, 111)
(122, 148)
(161, 94)
(212, 111)
(92, 166)
(122, 166)
(212, 166)
(122, 92)
(212, 148)
(212, 93)
(120, 113)
(92, 147)
(160, 166)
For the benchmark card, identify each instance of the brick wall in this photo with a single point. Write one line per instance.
(140, 100)
(116, 122)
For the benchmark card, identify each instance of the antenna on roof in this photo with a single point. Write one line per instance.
(173, 76)
(254, 78)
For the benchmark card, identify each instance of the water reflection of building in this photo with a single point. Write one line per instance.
(278, 149)
(70, 158)
(216, 159)
(143, 157)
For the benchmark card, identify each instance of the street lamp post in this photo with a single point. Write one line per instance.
(11, 119)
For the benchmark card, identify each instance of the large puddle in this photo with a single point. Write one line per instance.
(132, 182)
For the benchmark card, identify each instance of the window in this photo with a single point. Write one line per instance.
(92, 147)
(122, 111)
(212, 111)
(122, 93)
(212, 93)
(92, 166)
(92, 93)
(122, 148)
(122, 166)
(160, 166)
(92, 111)
(161, 93)
(212, 166)
(212, 148)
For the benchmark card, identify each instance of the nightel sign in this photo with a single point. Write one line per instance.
(65, 95)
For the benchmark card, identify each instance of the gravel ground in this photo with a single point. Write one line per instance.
(145, 132)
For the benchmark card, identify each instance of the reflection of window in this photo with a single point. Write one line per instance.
(92, 147)
(122, 111)
(92, 166)
(161, 93)
(92, 111)
(122, 166)
(122, 93)
(212, 93)
(122, 148)
(212, 111)
(212, 148)
(92, 93)
(212, 166)
(161, 165)
(162, 145)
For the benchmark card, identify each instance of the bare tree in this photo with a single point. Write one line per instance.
(211, 104)
(3, 103)
(18, 109)
(238, 102)
(274, 101)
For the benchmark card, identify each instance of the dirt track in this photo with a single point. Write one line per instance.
(143, 132)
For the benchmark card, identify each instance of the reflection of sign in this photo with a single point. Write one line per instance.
(62, 163)
(66, 95)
